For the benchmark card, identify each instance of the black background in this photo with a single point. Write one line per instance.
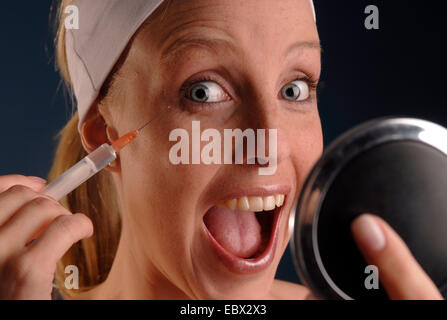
(396, 70)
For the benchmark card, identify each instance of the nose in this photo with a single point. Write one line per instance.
(262, 113)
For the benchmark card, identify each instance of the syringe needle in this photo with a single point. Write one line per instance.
(128, 137)
(158, 115)
(91, 164)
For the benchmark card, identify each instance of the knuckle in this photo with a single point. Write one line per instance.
(21, 268)
(65, 225)
(82, 217)
(87, 224)
(20, 189)
(23, 263)
(28, 269)
(6, 181)
(44, 202)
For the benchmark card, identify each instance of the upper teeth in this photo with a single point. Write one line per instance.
(255, 203)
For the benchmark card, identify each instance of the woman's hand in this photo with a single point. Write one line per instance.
(399, 272)
(27, 270)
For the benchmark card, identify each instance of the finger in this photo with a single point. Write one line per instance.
(30, 221)
(399, 272)
(10, 180)
(59, 236)
(13, 199)
(15, 191)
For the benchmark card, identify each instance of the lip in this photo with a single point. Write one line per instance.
(248, 266)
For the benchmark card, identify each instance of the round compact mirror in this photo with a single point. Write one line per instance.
(395, 168)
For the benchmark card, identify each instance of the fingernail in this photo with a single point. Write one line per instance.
(369, 232)
(38, 179)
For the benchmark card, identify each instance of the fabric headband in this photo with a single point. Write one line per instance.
(106, 27)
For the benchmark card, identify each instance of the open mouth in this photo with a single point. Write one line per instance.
(244, 228)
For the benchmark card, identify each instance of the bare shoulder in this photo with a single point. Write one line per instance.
(283, 290)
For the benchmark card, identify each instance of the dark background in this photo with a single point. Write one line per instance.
(396, 70)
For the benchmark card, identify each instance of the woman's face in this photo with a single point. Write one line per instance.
(223, 63)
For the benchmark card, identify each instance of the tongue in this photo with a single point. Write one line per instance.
(239, 232)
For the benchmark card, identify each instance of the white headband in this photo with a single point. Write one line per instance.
(92, 50)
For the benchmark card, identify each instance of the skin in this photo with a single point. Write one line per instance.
(163, 252)
(253, 79)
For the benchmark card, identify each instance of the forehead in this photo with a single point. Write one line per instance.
(257, 23)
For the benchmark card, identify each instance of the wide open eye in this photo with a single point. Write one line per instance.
(206, 91)
(297, 90)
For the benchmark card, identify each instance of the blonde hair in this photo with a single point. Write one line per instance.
(97, 198)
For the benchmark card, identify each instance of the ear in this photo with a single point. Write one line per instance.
(95, 132)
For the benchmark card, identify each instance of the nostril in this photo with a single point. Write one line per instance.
(258, 161)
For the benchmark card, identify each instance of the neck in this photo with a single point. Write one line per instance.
(133, 276)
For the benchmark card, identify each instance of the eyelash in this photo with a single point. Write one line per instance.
(185, 87)
(313, 87)
(311, 82)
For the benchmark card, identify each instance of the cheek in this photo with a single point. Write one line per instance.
(160, 208)
(161, 193)
(306, 146)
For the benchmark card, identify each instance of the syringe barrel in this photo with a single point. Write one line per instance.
(80, 172)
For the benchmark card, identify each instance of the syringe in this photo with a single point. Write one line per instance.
(90, 165)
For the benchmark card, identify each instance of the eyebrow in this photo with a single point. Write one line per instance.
(300, 45)
(174, 49)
